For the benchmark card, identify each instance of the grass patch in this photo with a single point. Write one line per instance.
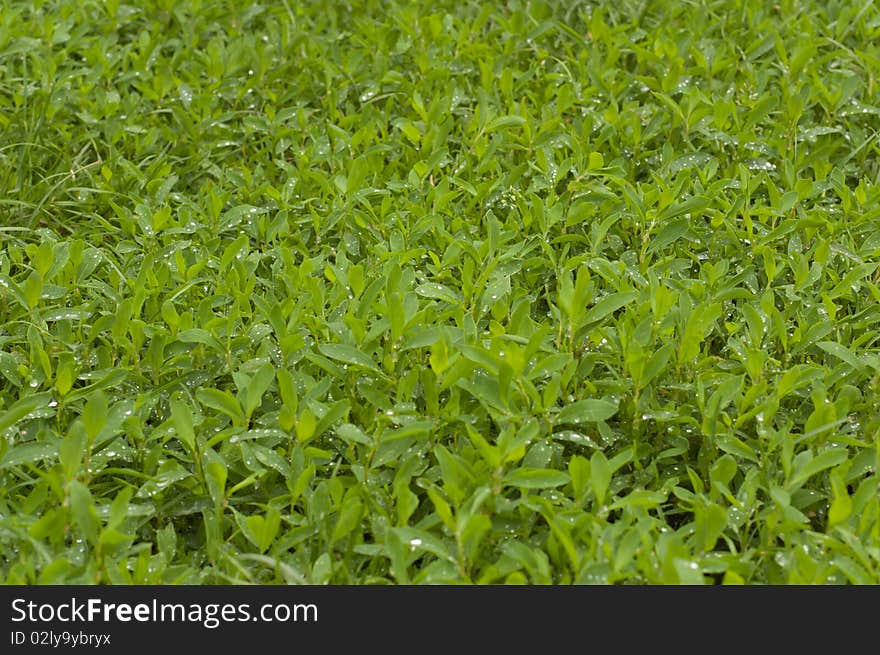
(391, 292)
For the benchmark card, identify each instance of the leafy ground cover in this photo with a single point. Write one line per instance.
(392, 292)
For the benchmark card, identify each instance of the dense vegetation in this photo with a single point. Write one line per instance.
(434, 292)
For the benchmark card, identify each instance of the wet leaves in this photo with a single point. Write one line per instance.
(368, 294)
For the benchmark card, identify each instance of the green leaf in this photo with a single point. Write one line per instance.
(71, 451)
(262, 530)
(9, 286)
(349, 518)
(495, 291)
(306, 425)
(825, 460)
(844, 354)
(259, 384)
(600, 476)
(698, 325)
(534, 478)
(353, 434)
(216, 478)
(643, 498)
(671, 233)
(438, 292)
(82, 508)
(840, 509)
(608, 305)
(348, 355)
(183, 424)
(28, 453)
(693, 205)
(503, 122)
(589, 410)
(202, 336)
(119, 508)
(21, 408)
(32, 288)
(94, 414)
(579, 470)
(736, 447)
(236, 215)
(657, 363)
(337, 412)
(709, 524)
(224, 402)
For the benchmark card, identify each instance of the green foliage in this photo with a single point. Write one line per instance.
(391, 292)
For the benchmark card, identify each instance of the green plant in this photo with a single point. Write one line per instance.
(439, 292)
